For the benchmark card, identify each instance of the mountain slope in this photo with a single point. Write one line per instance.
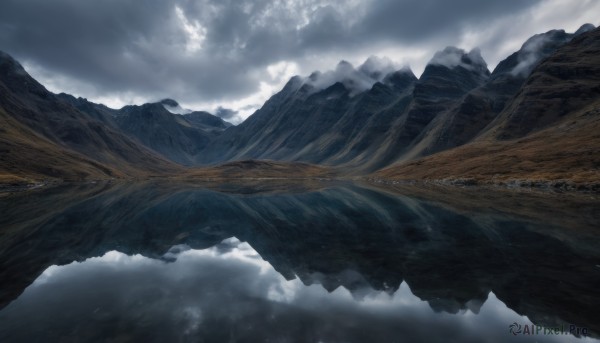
(563, 83)
(49, 126)
(177, 137)
(26, 156)
(565, 156)
(96, 111)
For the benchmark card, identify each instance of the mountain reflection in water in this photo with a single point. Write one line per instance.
(332, 263)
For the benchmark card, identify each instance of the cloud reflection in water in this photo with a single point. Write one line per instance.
(229, 293)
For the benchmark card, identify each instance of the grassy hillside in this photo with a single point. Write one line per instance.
(567, 151)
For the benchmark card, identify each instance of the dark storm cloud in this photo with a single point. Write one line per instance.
(414, 20)
(215, 50)
(407, 21)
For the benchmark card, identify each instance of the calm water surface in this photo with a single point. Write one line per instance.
(301, 262)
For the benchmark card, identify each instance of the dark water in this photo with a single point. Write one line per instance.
(296, 262)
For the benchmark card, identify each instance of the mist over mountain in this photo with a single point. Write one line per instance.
(174, 107)
(356, 80)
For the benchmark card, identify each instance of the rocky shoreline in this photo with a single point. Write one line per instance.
(517, 184)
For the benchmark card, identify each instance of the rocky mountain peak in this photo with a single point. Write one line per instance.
(452, 57)
(584, 28)
(400, 79)
(14, 75)
(7, 62)
(173, 106)
(377, 67)
(451, 73)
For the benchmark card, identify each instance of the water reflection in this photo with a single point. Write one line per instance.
(229, 293)
(338, 263)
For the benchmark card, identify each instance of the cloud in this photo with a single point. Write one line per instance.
(374, 69)
(531, 54)
(173, 107)
(541, 46)
(234, 53)
(229, 289)
(377, 67)
(226, 113)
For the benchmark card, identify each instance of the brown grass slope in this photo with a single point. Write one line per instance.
(550, 131)
(260, 169)
(26, 156)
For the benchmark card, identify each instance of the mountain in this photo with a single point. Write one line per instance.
(473, 113)
(565, 82)
(448, 76)
(177, 137)
(546, 134)
(162, 131)
(311, 119)
(342, 124)
(43, 136)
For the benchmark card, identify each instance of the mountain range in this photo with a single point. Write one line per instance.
(534, 118)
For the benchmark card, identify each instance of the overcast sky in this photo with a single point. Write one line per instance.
(237, 53)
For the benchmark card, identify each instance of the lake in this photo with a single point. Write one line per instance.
(311, 261)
